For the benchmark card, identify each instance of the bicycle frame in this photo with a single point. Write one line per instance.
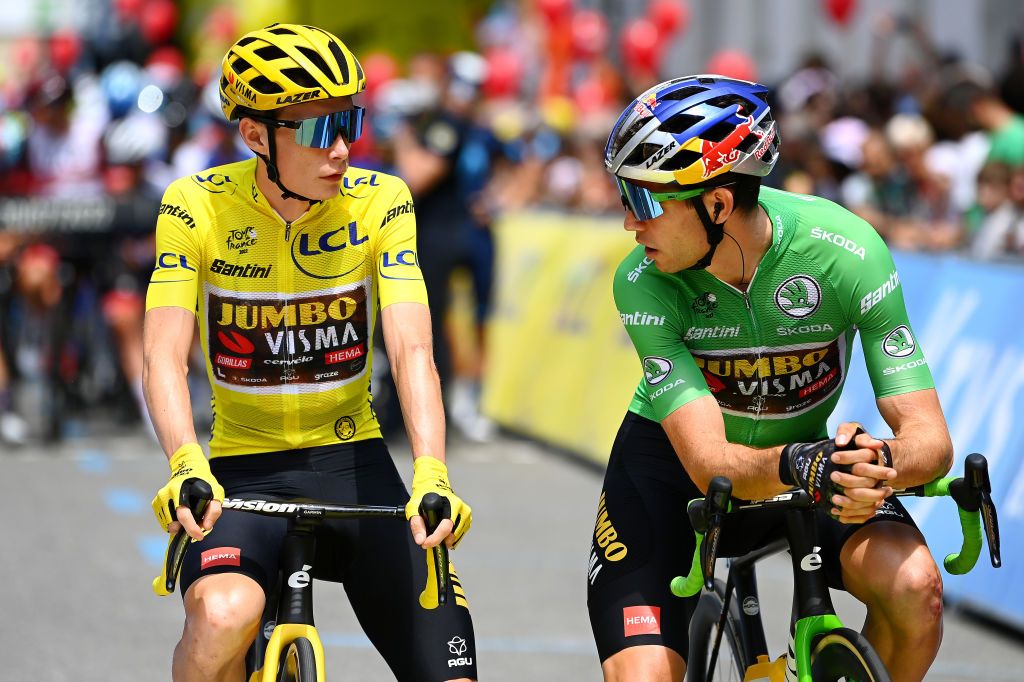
(292, 600)
(294, 607)
(813, 614)
(813, 611)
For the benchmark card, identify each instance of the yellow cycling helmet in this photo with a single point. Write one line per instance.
(286, 64)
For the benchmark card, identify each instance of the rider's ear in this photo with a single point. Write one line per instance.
(254, 135)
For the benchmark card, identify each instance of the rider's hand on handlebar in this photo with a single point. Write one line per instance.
(430, 475)
(847, 481)
(865, 468)
(171, 507)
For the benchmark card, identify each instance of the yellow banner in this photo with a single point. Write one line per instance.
(560, 365)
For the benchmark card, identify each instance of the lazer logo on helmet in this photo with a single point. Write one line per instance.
(301, 97)
(660, 154)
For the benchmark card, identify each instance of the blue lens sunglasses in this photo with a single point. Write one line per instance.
(320, 132)
(645, 204)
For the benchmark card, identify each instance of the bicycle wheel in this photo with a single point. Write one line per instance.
(730, 664)
(299, 663)
(844, 655)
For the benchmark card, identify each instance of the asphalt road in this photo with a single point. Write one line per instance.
(80, 548)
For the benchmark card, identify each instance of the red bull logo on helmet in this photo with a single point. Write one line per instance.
(719, 156)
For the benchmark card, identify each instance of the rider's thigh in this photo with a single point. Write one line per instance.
(644, 664)
(889, 564)
(224, 608)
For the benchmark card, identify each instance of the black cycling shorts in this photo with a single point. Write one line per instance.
(382, 569)
(643, 539)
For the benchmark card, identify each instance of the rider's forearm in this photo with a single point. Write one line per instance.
(419, 392)
(754, 472)
(170, 407)
(920, 455)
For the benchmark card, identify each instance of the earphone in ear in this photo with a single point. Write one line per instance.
(718, 209)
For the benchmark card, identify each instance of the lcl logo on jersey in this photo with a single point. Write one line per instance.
(328, 253)
(799, 296)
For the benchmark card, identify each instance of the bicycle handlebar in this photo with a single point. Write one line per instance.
(433, 508)
(973, 496)
(972, 493)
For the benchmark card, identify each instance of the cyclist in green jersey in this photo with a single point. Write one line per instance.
(743, 303)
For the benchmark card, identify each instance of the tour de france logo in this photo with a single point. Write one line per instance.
(705, 304)
(799, 296)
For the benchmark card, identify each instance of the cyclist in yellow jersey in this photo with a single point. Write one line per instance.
(285, 260)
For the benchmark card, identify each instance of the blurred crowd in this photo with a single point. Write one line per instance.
(94, 124)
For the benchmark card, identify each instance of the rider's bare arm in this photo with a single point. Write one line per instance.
(697, 433)
(921, 449)
(411, 353)
(167, 340)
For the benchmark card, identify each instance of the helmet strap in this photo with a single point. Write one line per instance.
(714, 231)
(274, 175)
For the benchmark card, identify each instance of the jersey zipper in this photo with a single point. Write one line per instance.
(755, 333)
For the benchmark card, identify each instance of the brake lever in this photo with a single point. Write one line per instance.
(434, 509)
(991, 523)
(199, 494)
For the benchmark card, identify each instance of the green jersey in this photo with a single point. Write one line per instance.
(774, 357)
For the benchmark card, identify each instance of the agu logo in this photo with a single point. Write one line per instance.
(641, 620)
(457, 646)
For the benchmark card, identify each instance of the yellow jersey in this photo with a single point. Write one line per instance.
(286, 310)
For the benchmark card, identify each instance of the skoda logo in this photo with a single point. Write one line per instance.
(899, 343)
(799, 296)
(656, 369)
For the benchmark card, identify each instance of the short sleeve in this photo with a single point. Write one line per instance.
(398, 274)
(175, 278)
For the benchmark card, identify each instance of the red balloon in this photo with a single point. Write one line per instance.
(379, 67)
(589, 33)
(841, 11)
(591, 95)
(504, 71)
(158, 21)
(554, 10)
(128, 9)
(641, 44)
(669, 16)
(65, 48)
(733, 64)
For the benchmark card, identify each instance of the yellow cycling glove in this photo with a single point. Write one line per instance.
(187, 462)
(430, 475)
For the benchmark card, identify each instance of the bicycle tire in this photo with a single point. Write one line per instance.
(731, 664)
(846, 655)
(299, 662)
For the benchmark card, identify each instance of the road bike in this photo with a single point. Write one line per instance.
(820, 647)
(287, 647)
